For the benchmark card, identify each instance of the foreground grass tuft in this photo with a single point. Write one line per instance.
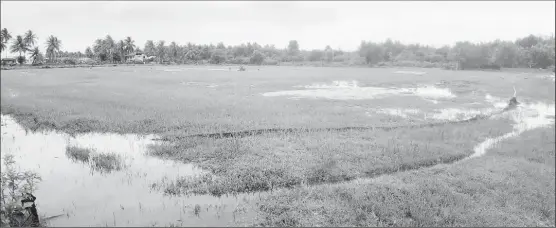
(78, 154)
(106, 162)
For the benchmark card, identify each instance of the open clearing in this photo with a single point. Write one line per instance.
(115, 146)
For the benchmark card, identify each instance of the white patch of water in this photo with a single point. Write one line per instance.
(119, 198)
(343, 90)
(526, 117)
(404, 113)
(333, 85)
(454, 114)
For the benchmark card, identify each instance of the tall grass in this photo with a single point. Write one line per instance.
(512, 185)
(78, 154)
(268, 162)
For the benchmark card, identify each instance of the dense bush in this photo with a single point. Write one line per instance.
(21, 59)
(257, 57)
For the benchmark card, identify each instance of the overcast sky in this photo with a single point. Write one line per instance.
(313, 24)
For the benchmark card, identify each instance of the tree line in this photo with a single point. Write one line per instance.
(530, 51)
(22, 44)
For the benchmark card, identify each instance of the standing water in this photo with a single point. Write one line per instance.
(87, 192)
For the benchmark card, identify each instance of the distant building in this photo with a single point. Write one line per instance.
(136, 57)
(9, 61)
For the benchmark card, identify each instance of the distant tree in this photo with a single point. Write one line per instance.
(372, 52)
(529, 41)
(218, 56)
(5, 38)
(542, 56)
(192, 55)
(257, 57)
(129, 45)
(19, 46)
(120, 51)
(173, 50)
(161, 51)
(505, 54)
(149, 49)
(315, 55)
(220, 46)
(89, 53)
(328, 54)
(2, 46)
(293, 48)
(110, 47)
(53, 45)
(30, 38)
(36, 55)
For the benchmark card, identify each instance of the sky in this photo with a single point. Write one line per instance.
(342, 25)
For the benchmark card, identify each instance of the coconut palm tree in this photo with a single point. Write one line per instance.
(36, 55)
(53, 45)
(129, 45)
(19, 46)
(6, 36)
(30, 38)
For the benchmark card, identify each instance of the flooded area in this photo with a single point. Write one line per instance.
(107, 180)
(345, 90)
(526, 117)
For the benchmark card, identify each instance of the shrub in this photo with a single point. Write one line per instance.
(270, 62)
(257, 57)
(218, 56)
(69, 61)
(21, 59)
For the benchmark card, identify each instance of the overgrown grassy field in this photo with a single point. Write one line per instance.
(313, 174)
(512, 185)
(149, 99)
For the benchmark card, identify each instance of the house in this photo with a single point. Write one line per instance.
(136, 57)
(9, 61)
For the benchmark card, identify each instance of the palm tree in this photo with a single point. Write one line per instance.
(129, 45)
(53, 46)
(19, 46)
(6, 36)
(36, 55)
(30, 38)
